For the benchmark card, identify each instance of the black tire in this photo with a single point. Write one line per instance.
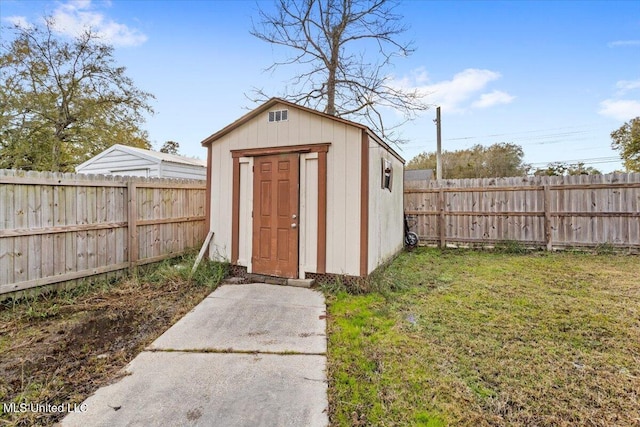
(411, 239)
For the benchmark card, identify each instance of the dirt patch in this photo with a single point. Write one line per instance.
(58, 351)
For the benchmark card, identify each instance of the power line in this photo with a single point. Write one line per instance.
(527, 138)
(586, 161)
(565, 136)
(592, 161)
(537, 140)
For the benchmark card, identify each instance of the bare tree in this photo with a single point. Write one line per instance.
(347, 46)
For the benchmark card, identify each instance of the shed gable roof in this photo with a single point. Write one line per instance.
(272, 102)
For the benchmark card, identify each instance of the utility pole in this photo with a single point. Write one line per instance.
(439, 146)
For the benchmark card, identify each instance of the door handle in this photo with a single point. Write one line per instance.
(294, 216)
(294, 225)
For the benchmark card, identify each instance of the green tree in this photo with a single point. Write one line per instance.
(329, 38)
(498, 160)
(626, 140)
(560, 169)
(170, 147)
(63, 101)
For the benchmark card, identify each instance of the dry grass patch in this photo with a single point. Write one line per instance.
(490, 339)
(60, 348)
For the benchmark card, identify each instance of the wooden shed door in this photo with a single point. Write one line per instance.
(275, 215)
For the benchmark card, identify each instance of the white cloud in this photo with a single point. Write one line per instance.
(621, 43)
(496, 97)
(459, 93)
(18, 21)
(625, 86)
(621, 109)
(618, 108)
(80, 4)
(76, 16)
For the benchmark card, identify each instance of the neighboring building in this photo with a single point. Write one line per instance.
(130, 161)
(297, 193)
(417, 178)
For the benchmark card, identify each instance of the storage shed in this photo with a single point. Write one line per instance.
(296, 193)
(131, 161)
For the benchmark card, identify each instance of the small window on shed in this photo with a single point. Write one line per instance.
(387, 174)
(278, 115)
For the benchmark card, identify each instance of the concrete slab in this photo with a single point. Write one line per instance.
(234, 281)
(274, 294)
(252, 318)
(301, 283)
(211, 389)
(204, 388)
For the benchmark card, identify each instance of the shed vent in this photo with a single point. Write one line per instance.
(278, 115)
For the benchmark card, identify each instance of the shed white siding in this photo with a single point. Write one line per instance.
(132, 161)
(343, 183)
(246, 208)
(350, 195)
(180, 171)
(119, 163)
(221, 204)
(343, 200)
(309, 211)
(386, 217)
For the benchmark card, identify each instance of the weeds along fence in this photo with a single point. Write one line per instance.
(57, 228)
(549, 212)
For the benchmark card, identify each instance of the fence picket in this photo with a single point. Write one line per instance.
(551, 212)
(58, 228)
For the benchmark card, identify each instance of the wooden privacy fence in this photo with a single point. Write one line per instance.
(58, 227)
(551, 212)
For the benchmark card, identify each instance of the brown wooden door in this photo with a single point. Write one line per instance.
(275, 215)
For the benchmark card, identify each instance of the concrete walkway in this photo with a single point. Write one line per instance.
(248, 355)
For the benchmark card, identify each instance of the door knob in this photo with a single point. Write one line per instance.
(294, 225)
(294, 216)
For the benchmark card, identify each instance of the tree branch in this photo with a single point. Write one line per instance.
(325, 36)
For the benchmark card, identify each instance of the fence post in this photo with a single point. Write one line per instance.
(441, 222)
(132, 225)
(547, 217)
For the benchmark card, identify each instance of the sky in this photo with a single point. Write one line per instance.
(554, 77)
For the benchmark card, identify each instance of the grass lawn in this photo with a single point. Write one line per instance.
(476, 338)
